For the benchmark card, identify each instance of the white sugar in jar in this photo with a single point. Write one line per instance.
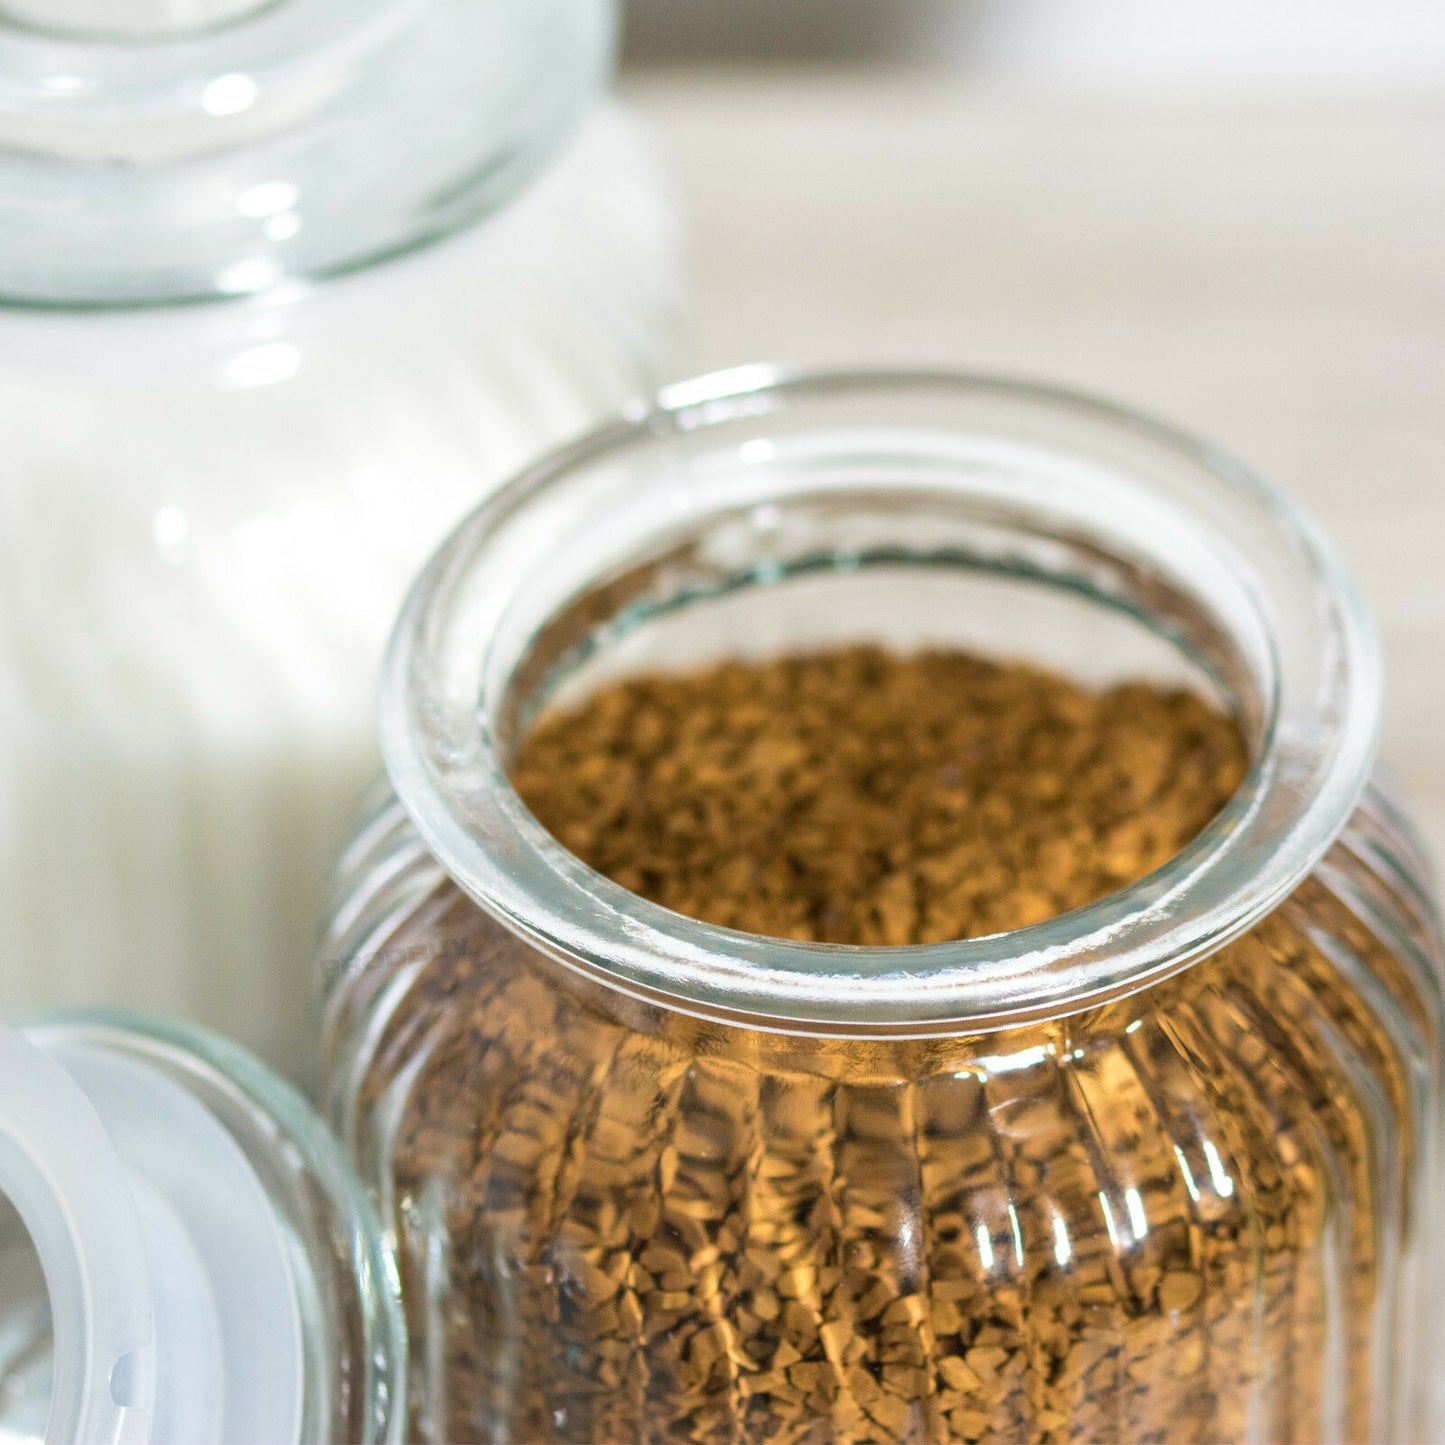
(283, 290)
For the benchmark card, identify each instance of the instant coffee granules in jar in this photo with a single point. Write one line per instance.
(857, 797)
(1079, 1082)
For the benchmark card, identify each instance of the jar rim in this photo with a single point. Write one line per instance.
(1311, 638)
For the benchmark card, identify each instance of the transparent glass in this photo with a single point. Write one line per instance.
(210, 155)
(255, 359)
(207, 1265)
(1158, 1168)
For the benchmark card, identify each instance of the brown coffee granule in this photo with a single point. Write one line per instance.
(860, 797)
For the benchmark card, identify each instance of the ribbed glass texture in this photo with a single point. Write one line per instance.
(1201, 1213)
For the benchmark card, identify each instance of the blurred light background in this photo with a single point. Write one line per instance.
(1152, 41)
(1230, 213)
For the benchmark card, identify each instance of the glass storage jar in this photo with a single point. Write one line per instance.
(1160, 1168)
(285, 288)
(185, 1255)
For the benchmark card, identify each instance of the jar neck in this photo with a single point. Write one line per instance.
(736, 484)
(222, 148)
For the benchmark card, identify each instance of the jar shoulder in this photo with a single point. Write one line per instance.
(497, 341)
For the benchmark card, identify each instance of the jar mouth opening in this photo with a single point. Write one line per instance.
(749, 478)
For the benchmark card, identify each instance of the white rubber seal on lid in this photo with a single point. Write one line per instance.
(174, 1309)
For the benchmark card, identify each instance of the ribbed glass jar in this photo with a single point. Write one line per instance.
(280, 299)
(1160, 1168)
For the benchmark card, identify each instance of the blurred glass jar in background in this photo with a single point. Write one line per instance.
(284, 287)
(1163, 1167)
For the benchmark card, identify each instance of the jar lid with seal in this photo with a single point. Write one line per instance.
(186, 1255)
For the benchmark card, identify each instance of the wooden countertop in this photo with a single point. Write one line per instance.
(1268, 272)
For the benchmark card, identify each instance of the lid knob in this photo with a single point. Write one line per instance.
(128, 19)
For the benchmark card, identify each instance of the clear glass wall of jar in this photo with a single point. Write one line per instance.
(284, 290)
(1159, 1168)
(185, 1253)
